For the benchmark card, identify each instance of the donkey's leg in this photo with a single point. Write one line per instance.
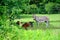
(38, 24)
(47, 23)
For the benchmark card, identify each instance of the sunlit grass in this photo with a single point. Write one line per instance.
(47, 34)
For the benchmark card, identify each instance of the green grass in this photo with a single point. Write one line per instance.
(36, 33)
(41, 33)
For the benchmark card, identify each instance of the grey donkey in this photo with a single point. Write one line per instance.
(40, 19)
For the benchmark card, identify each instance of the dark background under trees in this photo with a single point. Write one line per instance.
(13, 8)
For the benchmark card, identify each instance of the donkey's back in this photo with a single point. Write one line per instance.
(44, 18)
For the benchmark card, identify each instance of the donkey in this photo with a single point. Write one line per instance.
(40, 19)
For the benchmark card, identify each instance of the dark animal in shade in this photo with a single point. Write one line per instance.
(25, 25)
(31, 24)
(18, 22)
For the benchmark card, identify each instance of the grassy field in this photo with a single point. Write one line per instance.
(37, 33)
(53, 18)
(40, 33)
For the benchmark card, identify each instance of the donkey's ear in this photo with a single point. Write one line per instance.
(33, 14)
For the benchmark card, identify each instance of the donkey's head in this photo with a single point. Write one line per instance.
(34, 16)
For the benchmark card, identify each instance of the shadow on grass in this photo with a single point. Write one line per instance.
(55, 21)
(53, 27)
(44, 27)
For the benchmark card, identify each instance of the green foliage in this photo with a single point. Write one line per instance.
(52, 8)
(28, 6)
(58, 1)
(49, 6)
(12, 9)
